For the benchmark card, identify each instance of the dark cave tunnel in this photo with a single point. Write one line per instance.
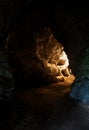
(40, 99)
(65, 23)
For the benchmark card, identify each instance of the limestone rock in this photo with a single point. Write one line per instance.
(50, 53)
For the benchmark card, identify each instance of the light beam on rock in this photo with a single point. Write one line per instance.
(51, 54)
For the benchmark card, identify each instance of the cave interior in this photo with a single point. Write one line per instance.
(41, 101)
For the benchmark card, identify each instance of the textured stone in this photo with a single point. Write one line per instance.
(6, 83)
(80, 88)
(42, 54)
(51, 53)
(7, 10)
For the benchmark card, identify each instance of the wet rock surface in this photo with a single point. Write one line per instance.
(80, 87)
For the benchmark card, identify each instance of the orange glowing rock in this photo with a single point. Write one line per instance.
(51, 53)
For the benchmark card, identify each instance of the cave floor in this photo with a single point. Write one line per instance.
(49, 108)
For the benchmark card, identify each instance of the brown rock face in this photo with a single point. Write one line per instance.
(50, 52)
(45, 56)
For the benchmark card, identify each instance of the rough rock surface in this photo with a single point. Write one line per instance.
(73, 25)
(80, 88)
(8, 9)
(51, 54)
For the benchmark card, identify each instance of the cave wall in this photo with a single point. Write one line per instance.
(68, 22)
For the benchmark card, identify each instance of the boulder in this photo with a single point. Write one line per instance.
(80, 88)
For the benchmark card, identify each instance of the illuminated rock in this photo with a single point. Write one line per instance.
(53, 59)
(43, 56)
